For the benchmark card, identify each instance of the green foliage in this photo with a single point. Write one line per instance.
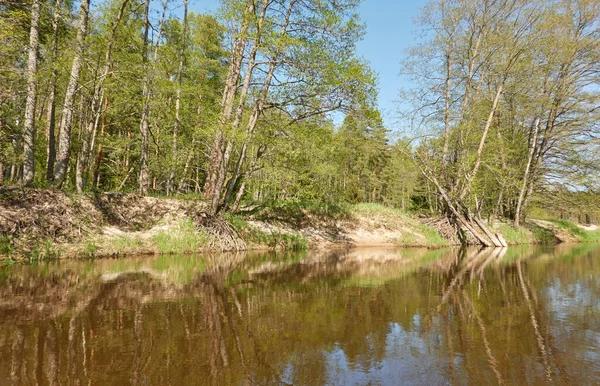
(288, 241)
(184, 238)
(433, 237)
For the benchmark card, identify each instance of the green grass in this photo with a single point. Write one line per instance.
(89, 249)
(183, 239)
(583, 235)
(44, 250)
(514, 235)
(6, 246)
(434, 238)
(425, 236)
(542, 235)
(300, 213)
(275, 240)
(373, 210)
(122, 245)
(288, 241)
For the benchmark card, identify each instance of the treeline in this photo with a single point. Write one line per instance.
(148, 96)
(269, 101)
(507, 105)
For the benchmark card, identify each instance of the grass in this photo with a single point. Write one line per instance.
(300, 213)
(6, 246)
(89, 249)
(514, 235)
(433, 237)
(542, 235)
(275, 240)
(422, 236)
(44, 250)
(183, 239)
(583, 235)
(237, 221)
(122, 245)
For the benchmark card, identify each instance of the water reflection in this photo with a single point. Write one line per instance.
(514, 316)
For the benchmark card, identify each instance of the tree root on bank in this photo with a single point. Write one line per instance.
(220, 233)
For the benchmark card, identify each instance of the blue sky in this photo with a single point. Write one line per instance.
(389, 33)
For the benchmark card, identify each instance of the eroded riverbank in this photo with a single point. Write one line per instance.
(38, 224)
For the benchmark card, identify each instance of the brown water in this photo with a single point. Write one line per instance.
(367, 317)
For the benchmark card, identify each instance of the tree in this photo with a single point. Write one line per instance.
(30, 104)
(491, 107)
(96, 105)
(66, 123)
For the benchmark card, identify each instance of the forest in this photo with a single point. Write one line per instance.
(268, 101)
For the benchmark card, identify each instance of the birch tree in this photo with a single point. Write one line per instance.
(30, 104)
(66, 123)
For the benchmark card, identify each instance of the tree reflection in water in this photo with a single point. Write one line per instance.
(506, 316)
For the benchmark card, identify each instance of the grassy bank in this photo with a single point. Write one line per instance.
(45, 224)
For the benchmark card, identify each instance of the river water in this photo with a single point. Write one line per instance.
(523, 315)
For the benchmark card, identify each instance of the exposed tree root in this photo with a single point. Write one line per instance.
(221, 234)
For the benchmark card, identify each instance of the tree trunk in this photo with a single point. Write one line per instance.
(238, 196)
(522, 192)
(29, 124)
(171, 180)
(447, 97)
(469, 177)
(92, 125)
(51, 124)
(143, 179)
(143, 176)
(256, 111)
(66, 122)
(98, 161)
(229, 93)
(182, 184)
(238, 117)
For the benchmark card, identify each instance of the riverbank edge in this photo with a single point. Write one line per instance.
(44, 224)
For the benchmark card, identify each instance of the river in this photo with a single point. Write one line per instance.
(522, 315)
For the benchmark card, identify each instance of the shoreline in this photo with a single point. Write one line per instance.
(44, 224)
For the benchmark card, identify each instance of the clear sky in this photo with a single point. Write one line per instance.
(389, 32)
